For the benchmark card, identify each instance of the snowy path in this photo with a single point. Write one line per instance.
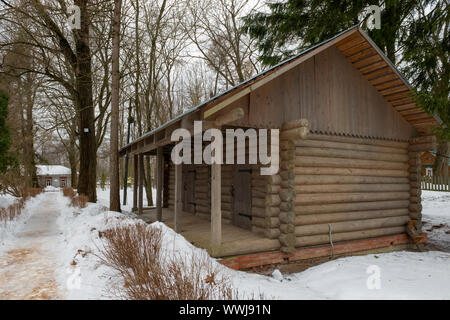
(27, 265)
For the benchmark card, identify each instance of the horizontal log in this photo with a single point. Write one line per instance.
(272, 233)
(274, 179)
(288, 217)
(272, 222)
(350, 172)
(349, 226)
(370, 142)
(259, 203)
(273, 200)
(239, 247)
(294, 134)
(325, 179)
(305, 199)
(259, 183)
(273, 189)
(349, 146)
(259, 231)
(286, 206)
(347, 207)
(287, 229)
(341, 188)
(265, 212)
(423, 147)
(287, 175)
(346, 236)
(259, 222)
(258, 194)
(301, 220)
(350, 154)
(287, 145)
(423, 140)
(287, 195)
(349, 163)
(295, 124)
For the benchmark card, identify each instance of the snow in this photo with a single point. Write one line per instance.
(436, 215)
(52, 170)
(6, 200)
(74, 240)
(103, 198)
(9, 229)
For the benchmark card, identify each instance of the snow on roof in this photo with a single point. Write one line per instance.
(52, 170)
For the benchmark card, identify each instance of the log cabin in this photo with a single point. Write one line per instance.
(350, 140)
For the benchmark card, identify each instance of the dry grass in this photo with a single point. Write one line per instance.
(80, 201)
(134, 252)
(69, 192)
(76, 201)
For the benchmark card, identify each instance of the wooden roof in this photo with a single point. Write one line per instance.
(361, 52)
(365, 56)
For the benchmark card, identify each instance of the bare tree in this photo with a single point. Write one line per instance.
(114, 136)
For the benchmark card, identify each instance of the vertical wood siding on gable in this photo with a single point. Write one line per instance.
(332, 95)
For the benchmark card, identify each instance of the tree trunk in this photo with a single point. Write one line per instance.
(114, 199)
(441, 163)
(87, 183)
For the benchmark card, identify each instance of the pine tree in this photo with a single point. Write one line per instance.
(294, 25)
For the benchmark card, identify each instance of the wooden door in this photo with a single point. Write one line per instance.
(189, 189)
(242, 197)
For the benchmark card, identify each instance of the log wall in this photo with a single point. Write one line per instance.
(417, 146)
(352, 187)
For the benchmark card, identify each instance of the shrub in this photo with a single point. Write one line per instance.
(134, 252)
(69, 192)
(12, 211)
(80, 201)
(32, 192)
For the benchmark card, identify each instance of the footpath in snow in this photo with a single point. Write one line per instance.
(51, 254)
(27, 257)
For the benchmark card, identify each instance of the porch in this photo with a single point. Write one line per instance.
(235, 241)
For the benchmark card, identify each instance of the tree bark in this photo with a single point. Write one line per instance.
(114, 160)
(87, 183)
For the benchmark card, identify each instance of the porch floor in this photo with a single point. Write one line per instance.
(197, 230)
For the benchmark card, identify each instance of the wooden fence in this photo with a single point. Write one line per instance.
(436, 183)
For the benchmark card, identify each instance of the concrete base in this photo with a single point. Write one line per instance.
(367, 246)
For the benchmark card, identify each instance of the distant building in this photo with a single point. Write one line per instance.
(55, 176)
(428, 159)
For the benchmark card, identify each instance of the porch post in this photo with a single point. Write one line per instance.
(135, 182)
(159, 185)
(141, 184)
(178, 196)
(216, 205)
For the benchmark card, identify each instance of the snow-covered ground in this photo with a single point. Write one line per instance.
(436, 215)
(103, 198)
(6, 200)
(78, 273)
(8, 229)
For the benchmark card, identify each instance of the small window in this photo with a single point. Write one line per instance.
(429, 172)
(63, 183)
(48, 182)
